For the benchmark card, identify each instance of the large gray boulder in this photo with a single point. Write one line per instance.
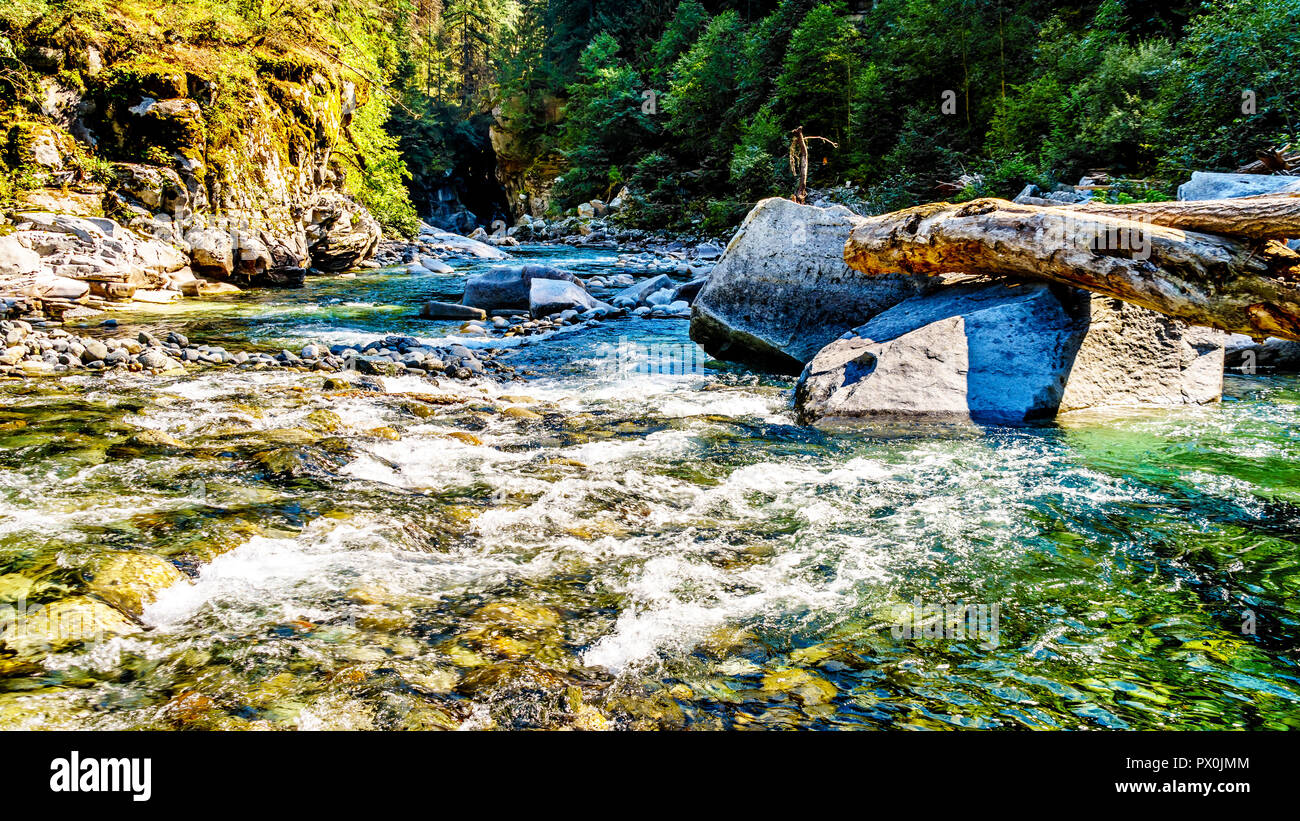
(508, 287)
(1212, 185)
(551, 296)
(782, 292)
(1001, 354)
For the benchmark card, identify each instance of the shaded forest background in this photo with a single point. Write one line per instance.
(690, 103)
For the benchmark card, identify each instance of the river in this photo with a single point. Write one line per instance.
(642, 549)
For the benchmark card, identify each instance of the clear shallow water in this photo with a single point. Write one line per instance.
(655, 551)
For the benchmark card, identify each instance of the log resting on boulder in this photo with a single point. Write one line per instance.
(1254, 218)
(1204, 279)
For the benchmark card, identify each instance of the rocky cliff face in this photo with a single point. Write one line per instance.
(526, 174)
(229, 157)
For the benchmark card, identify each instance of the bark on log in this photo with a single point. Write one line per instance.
(1275, 216)
(1246, 287)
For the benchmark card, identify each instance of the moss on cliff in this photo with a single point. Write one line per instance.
(257, 104)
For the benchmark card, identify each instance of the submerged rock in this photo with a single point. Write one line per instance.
(62, 623)
(131, 581)
(782, 291)
(1003, 354)
(450, 310)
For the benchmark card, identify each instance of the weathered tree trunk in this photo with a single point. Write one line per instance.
(1257, 218)
(1251, 288)
(799, 161)
(799, 164)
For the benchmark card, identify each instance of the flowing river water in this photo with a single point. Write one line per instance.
(650, 550)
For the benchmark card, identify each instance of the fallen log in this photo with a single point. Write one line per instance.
(1270, 216)
(1204, 279)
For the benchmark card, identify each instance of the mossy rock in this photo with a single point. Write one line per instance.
(37, 146)
(59, 624)
(142, 78)
(294, 67)
(325, 420)
(132, 581)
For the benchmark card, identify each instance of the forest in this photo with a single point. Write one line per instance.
(691, 104)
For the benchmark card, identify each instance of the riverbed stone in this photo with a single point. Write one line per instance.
(450, 310)
(379, 366)
(66, 622)
(637, 294)
(94, 349)
(782, 292)
(132, 581)
(1000, 354)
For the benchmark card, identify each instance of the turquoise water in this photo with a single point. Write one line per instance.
(601, 547)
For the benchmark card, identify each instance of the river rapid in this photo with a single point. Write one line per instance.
(608, 545)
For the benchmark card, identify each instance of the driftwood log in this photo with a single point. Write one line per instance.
(1250, 286)
(1258, 218)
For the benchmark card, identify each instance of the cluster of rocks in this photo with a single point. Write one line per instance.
(429, 250)
(495, 301)
(674, 258)
(908, 347)
(40, 352)
(586, 224)
(408, 356)
(65, 261)
(30, 351)
(593, 224)
(659, 297)
(61, 263)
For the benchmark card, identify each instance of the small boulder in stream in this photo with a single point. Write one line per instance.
(450, 310)
(132, 581)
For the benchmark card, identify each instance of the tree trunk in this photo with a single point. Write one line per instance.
(1257, 218)
(1247, 287)
(799, 164)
